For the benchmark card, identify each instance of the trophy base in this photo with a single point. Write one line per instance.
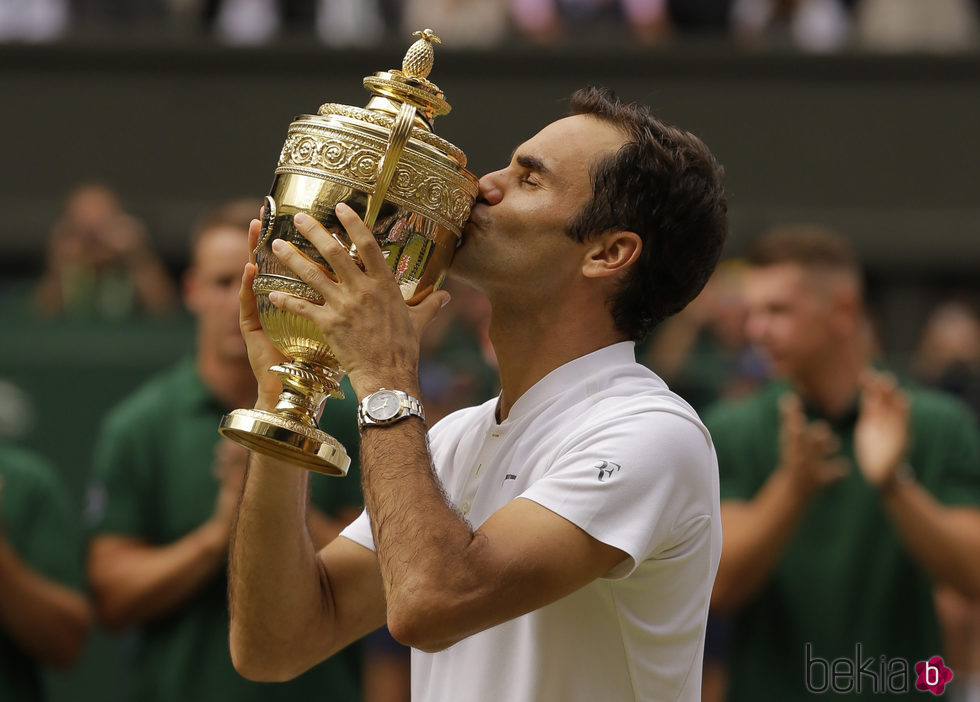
(280, 437)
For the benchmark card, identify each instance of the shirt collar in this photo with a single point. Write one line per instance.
(569, 376)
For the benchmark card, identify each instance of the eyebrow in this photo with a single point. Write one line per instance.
(533, 163)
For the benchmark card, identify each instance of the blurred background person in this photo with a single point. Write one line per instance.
(33, 20)
(948, 359)
(812, 25)
(911, 25)
(463, 23)
(845, 497)
(100, 262)
(948, 354)
(44, 613)
(548, 21)
(165, 488)
(702, 352)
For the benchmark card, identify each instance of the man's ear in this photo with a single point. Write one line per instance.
(611, 254)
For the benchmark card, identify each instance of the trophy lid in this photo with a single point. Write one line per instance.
(411, 83)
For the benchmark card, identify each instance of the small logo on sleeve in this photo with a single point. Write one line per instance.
(606, 469)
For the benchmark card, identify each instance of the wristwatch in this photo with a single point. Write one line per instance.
(386, 407)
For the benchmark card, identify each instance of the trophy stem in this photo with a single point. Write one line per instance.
(305, 387)
(291, 431)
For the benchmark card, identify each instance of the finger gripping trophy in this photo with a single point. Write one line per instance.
(411, 188)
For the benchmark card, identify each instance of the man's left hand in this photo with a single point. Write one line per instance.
(372, 332)
(881, 437)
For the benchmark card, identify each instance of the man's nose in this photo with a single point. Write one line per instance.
(490, 191)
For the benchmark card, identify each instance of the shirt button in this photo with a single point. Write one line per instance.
(465, 507)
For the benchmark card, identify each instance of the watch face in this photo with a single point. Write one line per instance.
(383, 405)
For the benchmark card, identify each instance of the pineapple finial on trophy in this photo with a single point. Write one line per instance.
(420, 56)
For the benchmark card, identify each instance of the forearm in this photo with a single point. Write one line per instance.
(278, 596)
(425, 550)
(48, 620)
(755, 535)
(135, 582)
(945, 541)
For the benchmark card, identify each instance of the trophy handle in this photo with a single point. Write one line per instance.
(400, 131)
(268, 217)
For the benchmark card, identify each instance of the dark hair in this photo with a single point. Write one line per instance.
(664, 185)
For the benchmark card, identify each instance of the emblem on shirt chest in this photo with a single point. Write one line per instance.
(606, 470)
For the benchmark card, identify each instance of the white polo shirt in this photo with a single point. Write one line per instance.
(602, 442)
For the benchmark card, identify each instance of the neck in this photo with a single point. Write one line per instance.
(231, 381)
(833, 385)
(531, 345)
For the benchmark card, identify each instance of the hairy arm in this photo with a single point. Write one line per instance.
(444, 581)
(291, 607)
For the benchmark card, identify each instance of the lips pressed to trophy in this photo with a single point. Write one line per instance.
(412, 190)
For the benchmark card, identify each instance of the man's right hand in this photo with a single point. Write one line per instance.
(261, 353)
(806, 449)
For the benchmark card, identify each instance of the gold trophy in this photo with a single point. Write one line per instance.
(412, 190)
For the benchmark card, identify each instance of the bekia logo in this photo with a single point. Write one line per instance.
(933, 675)
(881, 676)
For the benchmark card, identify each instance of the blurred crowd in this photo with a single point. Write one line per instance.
(809, 25)
(158, 510)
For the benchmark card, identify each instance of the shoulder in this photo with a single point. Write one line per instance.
(153, 398)
(936, 406)
(760, 408)
(941, 420)
(26, 468)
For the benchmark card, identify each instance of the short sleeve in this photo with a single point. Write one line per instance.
(38, 518)
(359, 531)
(738, 462)
(53, 546)
(117, 495)
(634, 482)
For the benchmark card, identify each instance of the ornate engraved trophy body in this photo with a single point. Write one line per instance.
(412, 190)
